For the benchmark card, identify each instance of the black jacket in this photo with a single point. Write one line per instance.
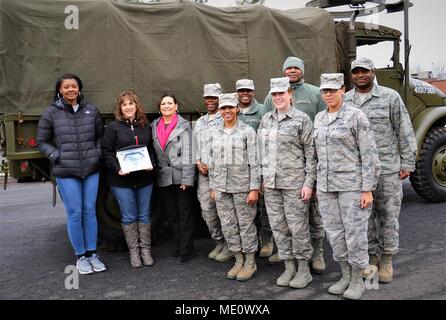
(71, 141)
(118, 135)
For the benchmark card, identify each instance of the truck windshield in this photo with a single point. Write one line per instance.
(381, 53)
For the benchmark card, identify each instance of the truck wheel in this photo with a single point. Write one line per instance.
(429, 178)
(110, 234)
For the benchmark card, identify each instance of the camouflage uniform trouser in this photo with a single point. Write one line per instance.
(383, 233)
(316, 227)
(289, 220)
(237, 221)
(208, 208)
(346, 226)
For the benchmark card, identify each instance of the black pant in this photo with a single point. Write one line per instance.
(178, 204)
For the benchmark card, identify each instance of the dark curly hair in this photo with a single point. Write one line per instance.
(66, 76)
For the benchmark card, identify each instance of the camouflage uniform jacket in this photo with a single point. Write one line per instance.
(346, 152)
(306, 98)
(233, 165)
(254, 115)
(201, 136)
(390, 122)
(286, 150)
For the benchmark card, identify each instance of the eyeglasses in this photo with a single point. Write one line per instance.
(332, 91)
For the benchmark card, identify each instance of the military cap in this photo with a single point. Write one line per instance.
(244, 84)
(279, 84)
(332, 81)
(365, 63)
(227, 99)
(294, 62)
(212, 90)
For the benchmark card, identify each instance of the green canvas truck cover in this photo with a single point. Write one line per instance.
(152, 49)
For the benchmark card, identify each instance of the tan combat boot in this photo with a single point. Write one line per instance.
(249, 267)
(373, 266)
(274, 259)
(131, 237)
(238, 266)
(218, 247)
(267, 246)
(225, 254)
(356, 288)
(342, 285)
(385, 269)
(145, 241)
(303, 276)
(288, 274)
(318, 263)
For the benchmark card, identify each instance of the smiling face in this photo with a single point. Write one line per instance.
(69, 89)
(282, 100)
(211, 104)
(128, 109)
(245, 97)
(229, 113)
(168, 107)
(294, 73)
(363, 79)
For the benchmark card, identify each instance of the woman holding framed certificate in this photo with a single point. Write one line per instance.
(130, 158)
(172, 140)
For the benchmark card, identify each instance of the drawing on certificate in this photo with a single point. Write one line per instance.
(134, 159)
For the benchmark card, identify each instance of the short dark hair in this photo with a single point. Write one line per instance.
(65, 77)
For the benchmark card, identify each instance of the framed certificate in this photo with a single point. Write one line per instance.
(134, 159)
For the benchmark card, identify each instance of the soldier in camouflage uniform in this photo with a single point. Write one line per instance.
(202, 133)
(251, 113)
(306, 98)
(397, 150)
(234, 175)
(287, 157)
(347, 173)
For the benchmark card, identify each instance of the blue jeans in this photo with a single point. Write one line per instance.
(79, 198)
(134, 203)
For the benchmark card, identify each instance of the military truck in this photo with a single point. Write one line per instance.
(176, 47)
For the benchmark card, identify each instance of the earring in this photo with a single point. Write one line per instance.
(58, 95)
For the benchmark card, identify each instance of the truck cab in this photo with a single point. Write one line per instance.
(425, 103)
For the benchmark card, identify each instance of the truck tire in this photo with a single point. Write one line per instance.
(111, 237)
(429, 178)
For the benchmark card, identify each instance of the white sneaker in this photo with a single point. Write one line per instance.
(97, 265)
(83, 266)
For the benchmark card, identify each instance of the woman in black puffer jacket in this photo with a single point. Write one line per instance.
(69, 135)
(132, 190)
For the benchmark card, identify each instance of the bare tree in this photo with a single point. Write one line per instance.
(438, 68)
(242, 2)
(417, 68)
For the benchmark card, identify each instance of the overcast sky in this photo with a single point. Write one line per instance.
(426, 30)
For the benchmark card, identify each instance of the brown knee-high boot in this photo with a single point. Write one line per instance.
(144, 230)
(131, 237)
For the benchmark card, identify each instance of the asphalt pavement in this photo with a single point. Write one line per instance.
(35, 252)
